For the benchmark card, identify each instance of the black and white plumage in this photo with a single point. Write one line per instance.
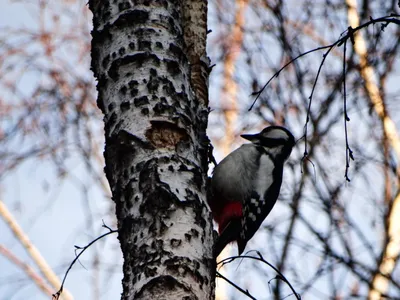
(245, 185)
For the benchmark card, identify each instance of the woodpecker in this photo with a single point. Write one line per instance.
(245, 185)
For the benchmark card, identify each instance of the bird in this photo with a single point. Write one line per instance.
(246, 184)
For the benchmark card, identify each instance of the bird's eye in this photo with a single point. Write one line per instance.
(273, 142)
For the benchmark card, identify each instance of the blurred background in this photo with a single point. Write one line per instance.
(332, 238)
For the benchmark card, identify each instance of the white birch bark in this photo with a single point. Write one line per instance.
(149, 60)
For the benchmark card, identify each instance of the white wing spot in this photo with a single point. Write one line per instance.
(258, 210)
(254, 201)
(252, 217)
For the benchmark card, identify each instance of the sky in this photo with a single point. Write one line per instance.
(55, 217)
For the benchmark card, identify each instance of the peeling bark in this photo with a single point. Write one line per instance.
(152, 84)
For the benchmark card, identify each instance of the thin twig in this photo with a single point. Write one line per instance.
(343, 40)
(246, 292)
(261, 258)
(258, 93)
(57, 295)
(349, 152)
(324, 56)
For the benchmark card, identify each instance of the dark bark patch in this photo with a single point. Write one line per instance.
(112, 120)
(194, 232)
(121, 51)
(165, 134)
(129, 139)
(164, 109)
(188, 237)
(139, 166)
(197, 178)
(150, 272)
(163, 228)
(123, 90)
(161, 285)
(111, 106)
(180, 266)
(159, 199)
(169, 89)
(124, 6)
(152, 86)
(125, 106)
(106, 61)
(145, 111)
(137, 60)
(134, 92)
(175, 243)
(144, 46)
(157, 244)
(128, 193)
(176, 50)
(143, 33)
(172, 67)
(141, 101)
(153, 72)
(136, 16)
(159, 46)
(141, 58)
(133, 83)
(183, 168)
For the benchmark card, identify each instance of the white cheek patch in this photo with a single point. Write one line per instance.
(264, 178)
(275, 151)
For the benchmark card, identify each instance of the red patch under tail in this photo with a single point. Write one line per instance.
(231, 210)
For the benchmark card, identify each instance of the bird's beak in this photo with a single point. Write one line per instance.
(251, 137)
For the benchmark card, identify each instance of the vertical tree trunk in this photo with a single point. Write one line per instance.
(229, 103)
(391, 245)
(150, 62)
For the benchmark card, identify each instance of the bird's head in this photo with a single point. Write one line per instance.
(276, 140)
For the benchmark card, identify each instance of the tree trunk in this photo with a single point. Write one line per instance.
(391, 245)
(150, 62)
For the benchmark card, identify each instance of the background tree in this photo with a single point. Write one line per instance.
(344, 232)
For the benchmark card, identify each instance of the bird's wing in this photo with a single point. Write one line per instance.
(257, 207)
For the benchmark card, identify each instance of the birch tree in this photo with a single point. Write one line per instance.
(149, 61)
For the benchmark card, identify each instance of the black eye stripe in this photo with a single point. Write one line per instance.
(270, 142)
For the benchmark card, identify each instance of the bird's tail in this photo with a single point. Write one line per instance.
(230, 233)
